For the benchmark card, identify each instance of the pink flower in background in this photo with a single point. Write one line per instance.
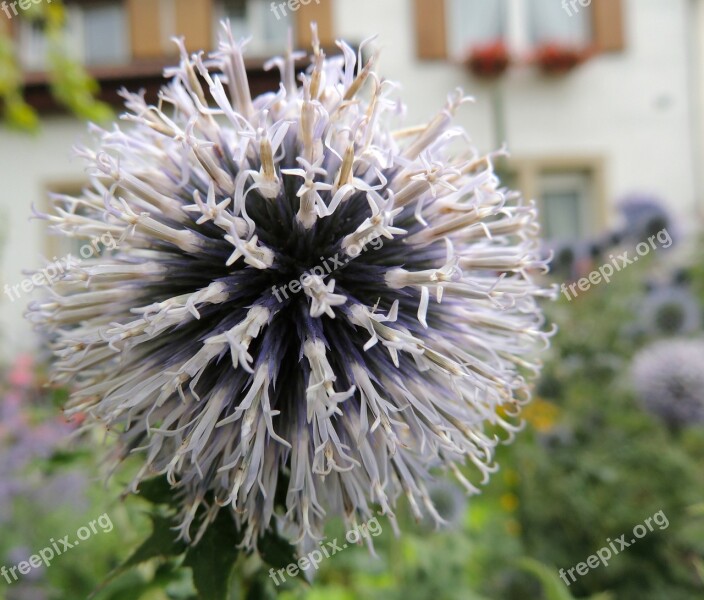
(22, 371)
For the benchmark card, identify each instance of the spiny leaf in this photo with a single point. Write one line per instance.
(276, 551)
(161, 543)
(213, 558)
(157, 490)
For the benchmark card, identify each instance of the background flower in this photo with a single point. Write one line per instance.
(669, 379)
(670, 310)
(644, 215)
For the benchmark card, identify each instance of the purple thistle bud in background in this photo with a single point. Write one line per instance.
(668, 377)
(303, 300)
(644, 215)
(671, 311)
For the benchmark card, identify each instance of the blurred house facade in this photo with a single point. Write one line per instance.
(628, 119)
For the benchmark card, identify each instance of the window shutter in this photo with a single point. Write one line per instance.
(431, 29)
(319, 11)
(145, 29)
(608, 25)
(194, 21)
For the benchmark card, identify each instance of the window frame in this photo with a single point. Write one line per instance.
(527, 173)
(255, 22)
(432, 35)
(34, 58)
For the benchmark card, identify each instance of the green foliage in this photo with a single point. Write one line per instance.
(70, 83)
(213, 558)
(161, 543)
(16, 111)
(553, 587)
(276, 551)
(602, 466)
(157, 490)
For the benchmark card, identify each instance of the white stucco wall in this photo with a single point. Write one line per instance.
(696, 48)
(28, 164)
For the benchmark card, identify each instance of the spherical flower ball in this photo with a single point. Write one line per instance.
(671, 310)
(299, 310)
(644, 216)
(668, 377)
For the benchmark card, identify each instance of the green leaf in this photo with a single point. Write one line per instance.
(261, 589)
(129, 587)
(276, 551)
(699, 566)
(161, 543)
(59, 397)
(696, 510)
(157, 490)
(553, 587)
(62, 459)
(20, 115)
(213, 558)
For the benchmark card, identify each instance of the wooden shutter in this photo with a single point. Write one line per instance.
(319, 11)
(5, 24)
(145, 29)
(194, 21)
(608, 25)
(431, 29)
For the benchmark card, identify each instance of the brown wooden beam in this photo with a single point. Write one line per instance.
(431, 29)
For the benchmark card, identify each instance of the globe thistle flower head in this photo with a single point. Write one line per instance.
(644, 216)
(670, 310)
(669, 380)
(304, 303)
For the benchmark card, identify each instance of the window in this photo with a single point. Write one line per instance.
(105, 39)
(476, 22)
(32, 46)
(567, 201)
(269, 30)
(569, 193)
(236, 11)
(548, 23)
(448, 28)
(95, 34)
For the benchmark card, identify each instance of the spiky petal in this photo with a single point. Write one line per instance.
(406, 348)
